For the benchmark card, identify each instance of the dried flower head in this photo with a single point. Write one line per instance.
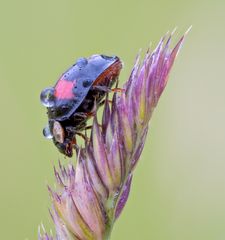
(92, 193)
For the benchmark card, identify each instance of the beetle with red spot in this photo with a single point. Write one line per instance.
(71, 102)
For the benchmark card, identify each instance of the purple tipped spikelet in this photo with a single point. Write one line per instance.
(92, 194)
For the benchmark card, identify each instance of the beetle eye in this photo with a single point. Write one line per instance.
(58, 132)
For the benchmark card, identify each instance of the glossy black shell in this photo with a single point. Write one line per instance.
(81, 76)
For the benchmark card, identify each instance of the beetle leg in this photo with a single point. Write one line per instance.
(74, 140)
(74, 143)
(88, 127)
(120, 90)
(106, 89)
(104, 101)
(84, 115)
(80, 114)
(90, 114)
(83, 136)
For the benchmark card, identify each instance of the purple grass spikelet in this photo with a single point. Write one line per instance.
(92, 193)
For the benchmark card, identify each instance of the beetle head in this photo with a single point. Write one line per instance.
(61, 141)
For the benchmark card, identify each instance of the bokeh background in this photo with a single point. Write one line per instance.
(178, 190)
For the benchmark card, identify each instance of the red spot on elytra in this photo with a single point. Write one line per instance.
(64, 89)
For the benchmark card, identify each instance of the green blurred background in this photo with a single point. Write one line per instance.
(178, 191)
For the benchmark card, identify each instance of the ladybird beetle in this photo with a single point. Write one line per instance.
(71, 102)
